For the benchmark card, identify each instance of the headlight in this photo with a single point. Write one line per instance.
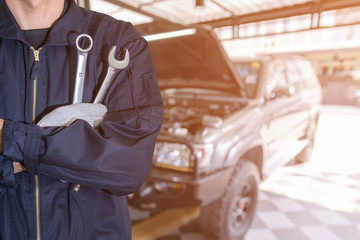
(173, 155)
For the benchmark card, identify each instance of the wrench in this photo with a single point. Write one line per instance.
(114, 67)
(81, 68)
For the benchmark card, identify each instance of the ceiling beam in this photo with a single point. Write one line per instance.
(83, 3)
(87, 4)
(327, 5)
(315, 6)
(222, 7)
(284, 12)
(137, 10)
(287, 32)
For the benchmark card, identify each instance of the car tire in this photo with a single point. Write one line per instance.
(229, 217)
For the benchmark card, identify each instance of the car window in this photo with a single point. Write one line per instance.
(277, 79)
(249, 73)
(294, 77)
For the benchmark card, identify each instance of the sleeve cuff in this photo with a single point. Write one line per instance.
(7, 177)
(21, 143)
(13, 141)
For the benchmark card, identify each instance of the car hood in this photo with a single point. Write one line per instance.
(195, 60)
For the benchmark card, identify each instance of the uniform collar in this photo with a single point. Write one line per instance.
(8, 25)
(71, 23)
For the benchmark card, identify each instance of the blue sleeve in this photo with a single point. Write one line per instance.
(118, 156)
(7, 178)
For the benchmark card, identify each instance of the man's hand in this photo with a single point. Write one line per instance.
(1, 130)
(18, 167)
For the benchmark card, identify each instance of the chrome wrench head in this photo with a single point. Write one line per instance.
(114, 66)
(118, 64)
(81, 67)
(84, 50)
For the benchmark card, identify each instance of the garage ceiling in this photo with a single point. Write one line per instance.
(194, 11)
(218, 13)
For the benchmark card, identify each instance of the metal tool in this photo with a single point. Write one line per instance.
(81, 68)
(114, 67)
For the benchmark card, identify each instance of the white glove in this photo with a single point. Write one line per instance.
(65, 115)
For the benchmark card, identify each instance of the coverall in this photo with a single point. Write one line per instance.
(76, 177)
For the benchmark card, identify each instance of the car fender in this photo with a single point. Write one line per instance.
(241, 148)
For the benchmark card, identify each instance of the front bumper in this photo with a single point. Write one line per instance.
(169, 189)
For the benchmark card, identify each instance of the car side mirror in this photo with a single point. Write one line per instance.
(282, 91)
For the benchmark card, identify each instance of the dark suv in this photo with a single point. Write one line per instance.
(228, 124)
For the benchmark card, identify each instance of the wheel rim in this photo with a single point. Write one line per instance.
(242, 208)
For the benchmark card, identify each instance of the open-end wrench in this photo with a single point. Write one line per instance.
(114, 67)
(81, 68)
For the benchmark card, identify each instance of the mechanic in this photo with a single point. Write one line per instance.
(70, 180)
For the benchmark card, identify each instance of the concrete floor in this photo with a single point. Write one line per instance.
(318, 200)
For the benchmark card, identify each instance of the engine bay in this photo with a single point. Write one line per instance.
(184, 116)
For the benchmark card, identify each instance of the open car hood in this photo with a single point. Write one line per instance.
(194, 59)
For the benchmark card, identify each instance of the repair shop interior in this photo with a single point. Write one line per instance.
(261, 120)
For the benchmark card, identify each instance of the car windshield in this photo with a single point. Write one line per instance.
(193, 61)
(249, 72)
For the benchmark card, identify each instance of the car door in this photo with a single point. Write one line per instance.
(282, 114)
(301, 104)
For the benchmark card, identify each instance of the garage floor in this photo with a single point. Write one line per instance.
(319, 200)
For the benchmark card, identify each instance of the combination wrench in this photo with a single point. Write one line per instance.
(81, 67)
(114, 66)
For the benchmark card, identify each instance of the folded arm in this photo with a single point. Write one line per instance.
(118, 155)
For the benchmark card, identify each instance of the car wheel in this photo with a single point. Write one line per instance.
(229, 217)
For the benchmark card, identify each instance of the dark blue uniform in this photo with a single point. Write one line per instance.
(76, 177)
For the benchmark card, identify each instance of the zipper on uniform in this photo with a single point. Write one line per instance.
(76, 189)
(37, 188)
(33, 76)
(36, 54)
